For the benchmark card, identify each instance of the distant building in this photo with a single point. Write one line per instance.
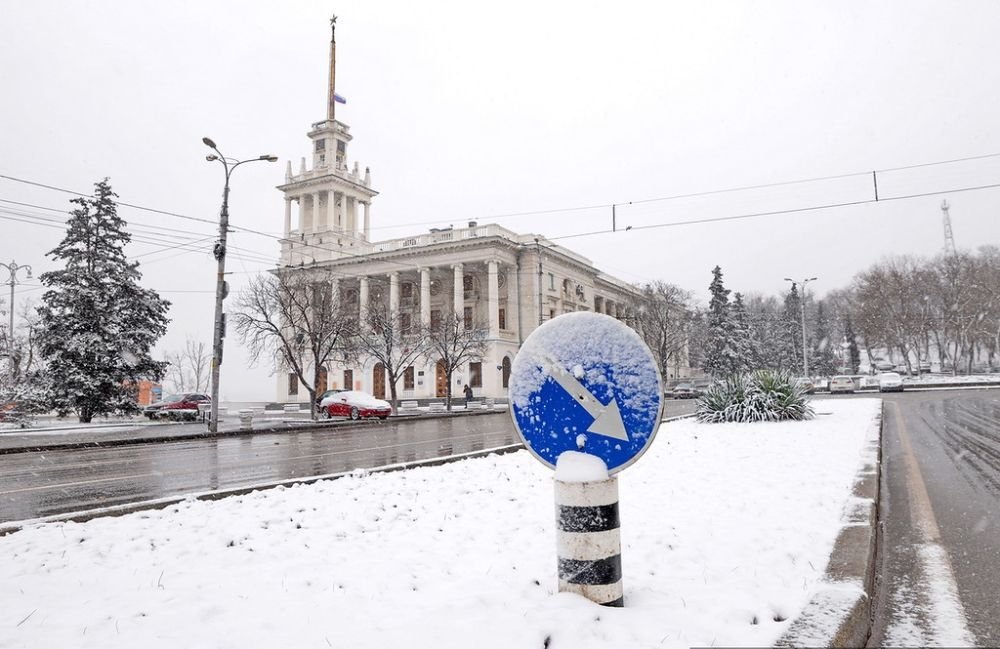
(482, 273)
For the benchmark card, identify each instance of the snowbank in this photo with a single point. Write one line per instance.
(726, 530)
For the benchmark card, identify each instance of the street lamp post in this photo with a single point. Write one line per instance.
(12, 268)
(802, 304)
(229, 164)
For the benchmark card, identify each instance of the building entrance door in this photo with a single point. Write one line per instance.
(378, 381)
(441, 379)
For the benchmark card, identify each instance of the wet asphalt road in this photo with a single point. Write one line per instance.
(941, 510)
(43, 483)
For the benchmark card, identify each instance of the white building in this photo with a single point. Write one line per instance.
(482, 273)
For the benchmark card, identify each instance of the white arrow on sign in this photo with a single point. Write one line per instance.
(607, 418)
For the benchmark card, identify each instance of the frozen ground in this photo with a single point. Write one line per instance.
(726, 530)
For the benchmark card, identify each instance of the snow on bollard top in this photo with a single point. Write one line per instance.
(573, 466)
(586, 382)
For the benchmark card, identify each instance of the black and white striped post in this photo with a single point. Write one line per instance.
(586, 398)
(588, 540)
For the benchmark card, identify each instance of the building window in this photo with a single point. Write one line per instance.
(404, 323)
(436, 319)
(552, 282)
(475, 375)
(293, 384)
(502, 317)
(408, 378)
(348, 379)
(552, 313)
(467, 317)
(467, 283)
(320, 146)
(341, 151)
(406, 290)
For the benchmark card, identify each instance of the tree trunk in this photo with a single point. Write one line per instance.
(448, 391)
(392, 394)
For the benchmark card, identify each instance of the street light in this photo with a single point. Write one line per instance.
(12, 268)
(802, 304)
(220, 286)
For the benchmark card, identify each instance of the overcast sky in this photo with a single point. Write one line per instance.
(467, 111)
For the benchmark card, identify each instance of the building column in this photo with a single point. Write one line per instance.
(459, 293)
(305, 217)
(363, 301)
(331, 211)
(367, 207)
(425, 297)
(317, 222)
(352, 215)
(613, 309)
(493, 303)
(335, 292)
(394, 294)
(288, 216)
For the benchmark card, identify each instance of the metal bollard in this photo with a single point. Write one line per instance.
(588, 540)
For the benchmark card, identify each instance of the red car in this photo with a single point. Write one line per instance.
(354, 404)
(177, 406)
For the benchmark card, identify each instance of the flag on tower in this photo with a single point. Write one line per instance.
(337, 98)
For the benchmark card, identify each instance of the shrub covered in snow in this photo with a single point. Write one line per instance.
(764, 395)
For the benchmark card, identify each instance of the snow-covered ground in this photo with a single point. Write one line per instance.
(726, 531)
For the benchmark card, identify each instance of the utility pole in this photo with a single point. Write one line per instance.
(221, 289)
(12, 269)
(802, 305)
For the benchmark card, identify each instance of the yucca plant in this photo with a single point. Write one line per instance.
(764, 395)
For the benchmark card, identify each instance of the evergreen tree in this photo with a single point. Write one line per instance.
(741, 335)
(97, 325)
(853, 351)
(822, 358)
(721, 346)
(791, 353)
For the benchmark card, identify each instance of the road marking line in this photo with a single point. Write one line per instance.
(78, 483)
(948, 621)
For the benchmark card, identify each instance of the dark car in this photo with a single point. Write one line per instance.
(177, 406)
(685, 391)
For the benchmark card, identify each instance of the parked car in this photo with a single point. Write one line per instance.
(176, 406)
(841, 384)
(354, 404)
(319, 399)
(890, 382)
(685, 391)
(883, 365)
(806, 384)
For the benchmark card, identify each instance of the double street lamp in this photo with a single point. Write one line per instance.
(802, 305)
(12, 268)
(221, 290)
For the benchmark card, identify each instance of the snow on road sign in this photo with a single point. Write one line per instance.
(586, 382)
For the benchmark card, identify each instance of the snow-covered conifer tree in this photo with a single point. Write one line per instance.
(722, 347)
(97, 325)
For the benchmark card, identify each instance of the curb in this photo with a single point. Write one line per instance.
(840, 613)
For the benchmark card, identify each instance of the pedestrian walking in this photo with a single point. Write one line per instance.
(468, 394)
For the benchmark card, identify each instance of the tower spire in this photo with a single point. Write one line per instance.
(331, 100)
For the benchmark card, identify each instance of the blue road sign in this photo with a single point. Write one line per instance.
(586, 382)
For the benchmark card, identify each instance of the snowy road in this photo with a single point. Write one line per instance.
(941, 550)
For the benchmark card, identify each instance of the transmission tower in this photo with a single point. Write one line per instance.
(949, 238)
